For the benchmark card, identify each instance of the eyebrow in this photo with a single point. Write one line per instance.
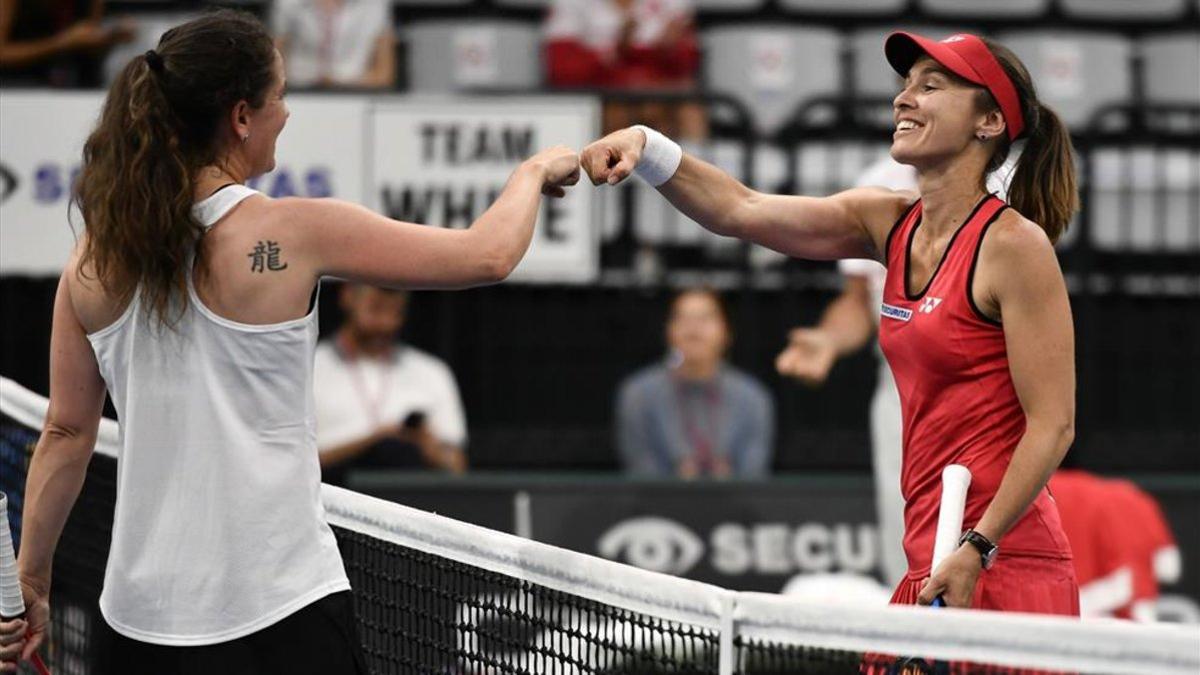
(934, 69)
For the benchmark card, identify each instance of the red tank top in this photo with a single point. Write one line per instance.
(956, 393)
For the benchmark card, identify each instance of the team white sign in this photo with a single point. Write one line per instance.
(443, 161)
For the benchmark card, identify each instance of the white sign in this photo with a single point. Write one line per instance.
(41, 147)
(443, 161)
(319, 154)
(439, 162)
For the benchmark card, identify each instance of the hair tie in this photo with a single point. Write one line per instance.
(154, 60)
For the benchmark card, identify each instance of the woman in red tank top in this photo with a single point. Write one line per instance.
(975, 320)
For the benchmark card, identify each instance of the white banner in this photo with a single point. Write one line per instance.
(41, 146)
(436, 161)
(443, 161)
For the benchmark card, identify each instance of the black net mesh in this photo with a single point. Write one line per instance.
(417, 612)
(423, 613)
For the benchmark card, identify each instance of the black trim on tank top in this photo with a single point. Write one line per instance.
(220, 188)
(971, 273)
(887, 243)
(945, 254)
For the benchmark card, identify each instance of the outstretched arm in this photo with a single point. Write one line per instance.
(344, 240)
(845, 327)
(850, 224)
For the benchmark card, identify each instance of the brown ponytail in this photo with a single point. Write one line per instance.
(1044, 188)
(160, 125)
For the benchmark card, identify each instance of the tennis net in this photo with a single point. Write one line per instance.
(435, 595)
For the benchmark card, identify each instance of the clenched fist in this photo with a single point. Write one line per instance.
(808, 357)
(612, 158)
(559, 168)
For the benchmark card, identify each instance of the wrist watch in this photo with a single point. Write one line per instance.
(987, 550)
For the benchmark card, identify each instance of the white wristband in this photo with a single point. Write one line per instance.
(660, 158)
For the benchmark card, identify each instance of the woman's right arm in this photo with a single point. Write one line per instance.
(352, 242)
(60, 460)
(850, 224)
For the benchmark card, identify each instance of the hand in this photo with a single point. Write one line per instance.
(809, 356)
(954, 579)
(612, 158)
(559, 168)
(20, 638)
(122, 31)
(88, 36)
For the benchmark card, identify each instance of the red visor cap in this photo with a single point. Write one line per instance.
(968, 57)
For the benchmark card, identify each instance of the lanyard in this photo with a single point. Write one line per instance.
(703, 446)
(371, 402)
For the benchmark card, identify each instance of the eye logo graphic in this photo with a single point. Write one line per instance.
(652, 543)
(8, 183)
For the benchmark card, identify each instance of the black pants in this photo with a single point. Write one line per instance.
(320, 639)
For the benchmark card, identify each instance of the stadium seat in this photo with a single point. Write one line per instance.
(973, 9)
(834, 7)
(150, 27)
(1076, 73)
(1171, 68)
(1141, 198)
(873, 77)
(1141, 10)
(450, 55)
(771, 69)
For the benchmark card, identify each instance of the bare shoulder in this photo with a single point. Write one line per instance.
(92, 304)
(1013, 237)
(1015, 243)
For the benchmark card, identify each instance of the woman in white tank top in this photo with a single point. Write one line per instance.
(188, 300)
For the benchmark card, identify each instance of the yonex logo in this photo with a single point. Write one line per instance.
(930, 304)
(953, 38)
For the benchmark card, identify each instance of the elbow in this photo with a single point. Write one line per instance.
(496, 268)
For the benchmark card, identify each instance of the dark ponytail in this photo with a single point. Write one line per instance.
(160, 125)
(1044, 187)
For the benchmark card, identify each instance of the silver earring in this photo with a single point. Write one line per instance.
(983, 138)
(245, 138)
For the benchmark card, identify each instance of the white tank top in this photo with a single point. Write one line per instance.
(219, 529)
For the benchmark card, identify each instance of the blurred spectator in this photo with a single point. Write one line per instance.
(381, 403)
(1121, 544)
(628, 44)
(336, 43)
(695, 416)
(59, 43)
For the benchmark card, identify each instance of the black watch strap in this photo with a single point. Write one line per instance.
(987, 550)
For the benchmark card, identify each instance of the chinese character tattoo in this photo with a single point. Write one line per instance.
(265, 256)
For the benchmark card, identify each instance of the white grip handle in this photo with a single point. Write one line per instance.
(956, 478)
(11, 602)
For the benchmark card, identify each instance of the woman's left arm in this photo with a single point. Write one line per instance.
(1025, 287)
(1029, 291)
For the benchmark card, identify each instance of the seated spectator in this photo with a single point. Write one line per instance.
(336, 43)
(695, 416)
(381, 403)
(628, 44)
(58, 43)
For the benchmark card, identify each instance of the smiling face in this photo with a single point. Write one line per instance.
(937, 115)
